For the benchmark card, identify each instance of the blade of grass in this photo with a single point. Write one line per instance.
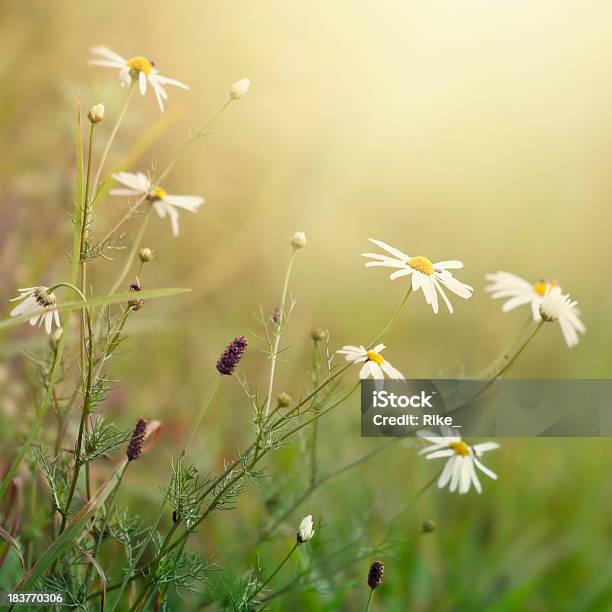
(117, 298)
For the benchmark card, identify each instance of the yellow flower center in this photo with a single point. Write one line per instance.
(140, 64)
(421, 264)
(158, 193)
(460, 448)
(375, 357)
(542, 286)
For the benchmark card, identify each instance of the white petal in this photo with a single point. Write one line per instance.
(190, 203)
(387, 247)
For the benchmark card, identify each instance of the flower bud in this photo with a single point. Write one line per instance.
(231, 356)
(239, 89)
(429, 526)
(145, 254)
(305, 530)
(376, 573)
(318, 334)
(298, 241)
(96, 113)
(137, 303)
(284, 400)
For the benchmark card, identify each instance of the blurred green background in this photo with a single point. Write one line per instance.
(476, 130)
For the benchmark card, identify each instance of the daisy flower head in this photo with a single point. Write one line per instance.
(521, 292)
(137, 68)
(139, 184)
(556, 306)
(431, 278)
(374, 365)
(463, 459)
(38, 302)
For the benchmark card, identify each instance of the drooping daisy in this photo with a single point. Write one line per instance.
(521, 292)
(374, 365)
(139, 69)
(35, 299)
(139, 184)
(428, 276)
(463, 459)
(556, 306)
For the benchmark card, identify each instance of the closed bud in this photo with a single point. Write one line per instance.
(96, 113)
(239, 89)
(136, 303)
(298, 241)
(305, 530)
(318, 334)
(284, 400)
(429, 526)
(145, 254)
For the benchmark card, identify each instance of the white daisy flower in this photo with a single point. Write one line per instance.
(305, 530)
(428, 276)
(521, 292)
(556, 306)
(33, 300)
(374, 365)
(139, 184)
(463, 459)
(139, 69)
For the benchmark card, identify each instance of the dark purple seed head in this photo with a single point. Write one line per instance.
(134, 448)
(231, 356)
(375, 575)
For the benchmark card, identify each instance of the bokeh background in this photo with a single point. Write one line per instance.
(474, 130)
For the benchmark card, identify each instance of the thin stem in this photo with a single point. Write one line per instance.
(264, 584)
(133, 251)
(391, 321)
(198, 419)
(278, 332)
(519, 351)
(107, 515)
(369, 604)
(112, 136)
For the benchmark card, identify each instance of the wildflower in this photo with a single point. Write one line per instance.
(35, 299)
(136, 303)
(96, 113)
(284, 400)
(239, 89)
(305, 530)
(463, 459)
(429, 526)
(145, 254)
(556, 306)
(139, 69)
(376, 574)
(428, 276)
(134, 448)
(521, 292)
(298, 241)
(318, 334)
(139, 184)
(231, 356)
(374, 365)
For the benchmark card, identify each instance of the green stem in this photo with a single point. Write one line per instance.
(518, 352)
(112, 136)
(198, 419)
(133, 251)
(391, 321)
(264, 584)
(277, 333)
(369, 604)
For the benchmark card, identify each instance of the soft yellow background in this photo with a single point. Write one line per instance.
(472, 130)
